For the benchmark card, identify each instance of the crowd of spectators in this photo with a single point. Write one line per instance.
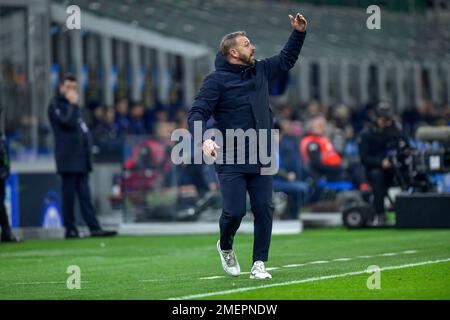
(113, 126)
(140, 138)
(345, 124)
(110, 126)
(342, 127)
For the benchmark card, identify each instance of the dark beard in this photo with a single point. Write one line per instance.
(246, 61)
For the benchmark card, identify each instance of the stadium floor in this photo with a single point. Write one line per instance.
(316, 264)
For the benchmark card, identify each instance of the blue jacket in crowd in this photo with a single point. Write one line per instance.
(237, 96)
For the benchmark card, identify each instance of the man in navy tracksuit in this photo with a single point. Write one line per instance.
(237, 96)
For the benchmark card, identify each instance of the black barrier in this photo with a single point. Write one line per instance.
(254, 309)
(423, 210)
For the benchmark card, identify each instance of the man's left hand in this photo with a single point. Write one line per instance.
(299, 23)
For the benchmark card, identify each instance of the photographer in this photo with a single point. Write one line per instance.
(374, 146)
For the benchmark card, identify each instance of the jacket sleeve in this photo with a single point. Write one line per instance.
(286, 59)
(66, 116)
(4, 159)
(204, 103)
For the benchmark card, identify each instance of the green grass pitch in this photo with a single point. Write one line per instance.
(316, 264)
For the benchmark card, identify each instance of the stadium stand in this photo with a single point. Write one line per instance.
(158, 52)
(336, 31)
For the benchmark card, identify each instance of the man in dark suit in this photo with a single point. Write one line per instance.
(73, 158)
(7, 235)
(237, 96)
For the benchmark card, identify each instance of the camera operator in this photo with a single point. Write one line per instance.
(375, 143)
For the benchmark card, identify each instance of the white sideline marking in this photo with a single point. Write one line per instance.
(44, 282)
(213, 277)
(342, 259)
(388, 254)
(220, 277)
(294, 265)
(347, 274)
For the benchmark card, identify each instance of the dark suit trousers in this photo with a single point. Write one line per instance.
(380, 181)
(77, 184)
(234, 187)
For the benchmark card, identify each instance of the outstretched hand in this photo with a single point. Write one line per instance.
(210, 147)
(299, 23)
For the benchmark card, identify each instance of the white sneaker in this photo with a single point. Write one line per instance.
(229, 261)
(259, 271)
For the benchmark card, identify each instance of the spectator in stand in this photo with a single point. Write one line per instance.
(105, 135)
(288, 178)
(423, 114)
(137, 120)
(178, 115)
(190, 173)
(97, 115)
(427, 113)
(361, 117)
(157, 113)
(312, 108)
(162, 134)
(318, 152)
(121, 116)
(161, 114)
(287, 111)
(338, 128)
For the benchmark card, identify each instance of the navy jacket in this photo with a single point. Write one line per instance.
(237, 96)
(72, 139)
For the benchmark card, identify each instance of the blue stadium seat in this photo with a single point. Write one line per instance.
(336, 186)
